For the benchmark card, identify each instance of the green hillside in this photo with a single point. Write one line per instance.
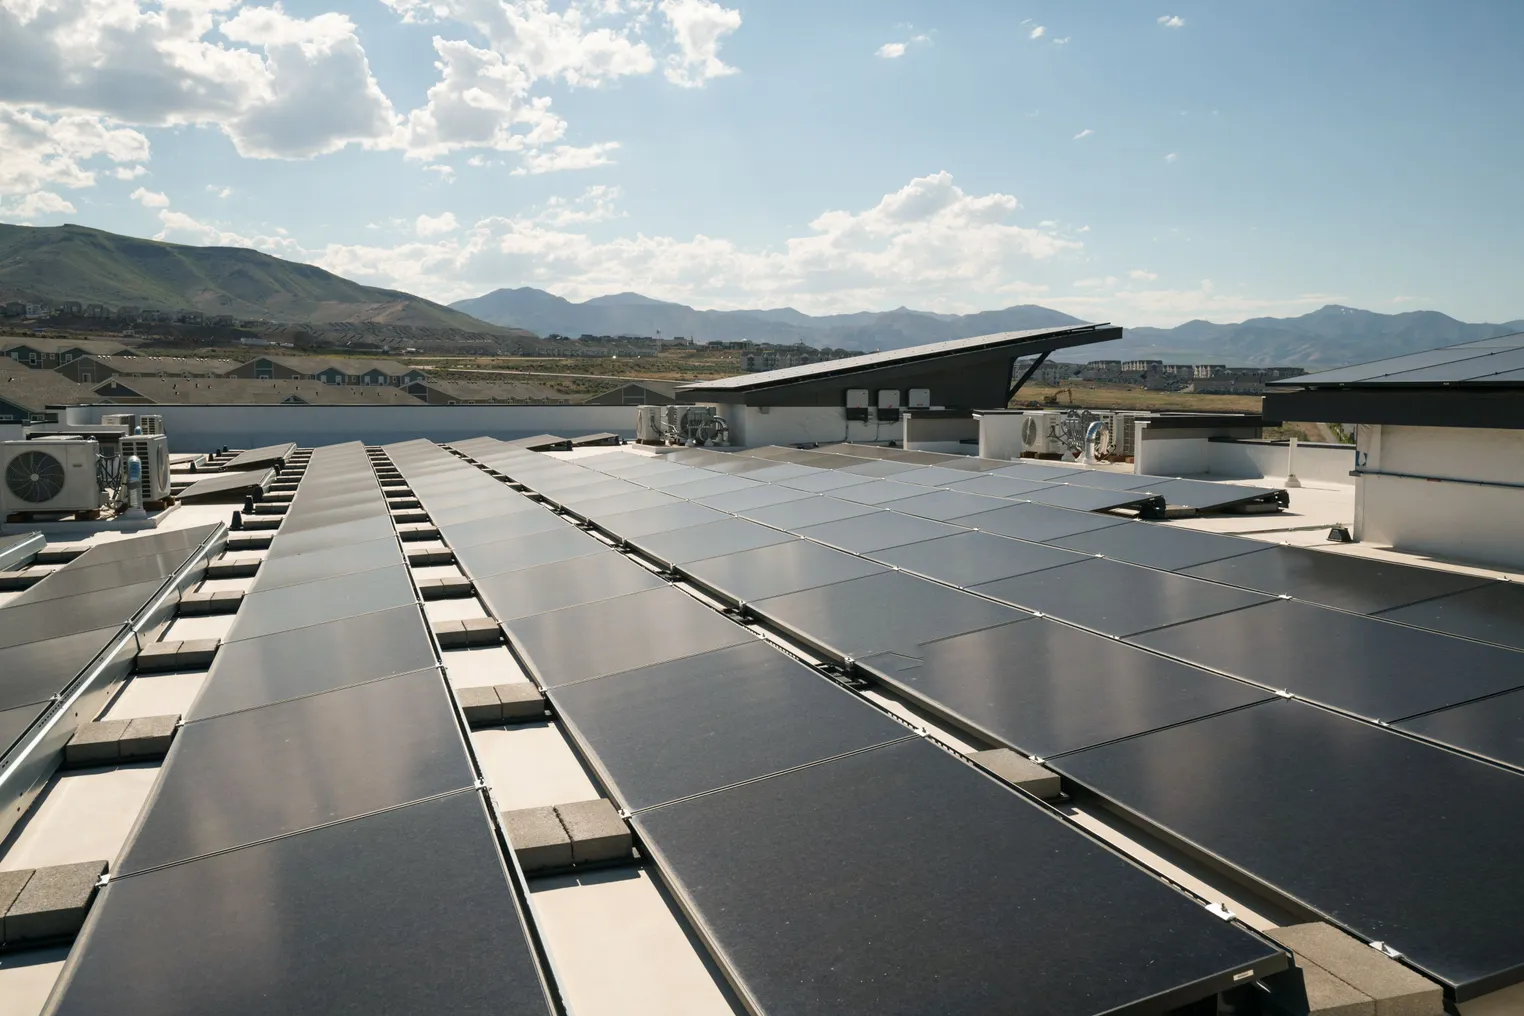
(58, 263)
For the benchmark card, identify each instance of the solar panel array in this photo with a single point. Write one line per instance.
(1495, 361)
(814, 841)
(317, 840)
(52, 633)
(1266, 706)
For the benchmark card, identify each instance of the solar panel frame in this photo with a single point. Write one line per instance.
(580, 580)
(1486, 613)
(713, 539)
(777, 569)
(969, 559)
(880, 531)
(1357, 584)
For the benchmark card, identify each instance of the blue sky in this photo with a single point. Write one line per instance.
(1145, 163)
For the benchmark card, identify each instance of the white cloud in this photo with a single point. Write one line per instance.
(35, 204)
(1061, 42)
(1172, 157)
(479, 101)
(917, 244)
(564, 157)
(1171, 21)
(149, 199)
(129, 172)
(1107, 282)
(1083, 134)
(37, 150)
(1037, 32)
(436, 225)
(1143, 306)
(596, 204)
(221, 192)
(697, 27)
(181, 228)
(1143, 275)
(891, 51)
(446, 173)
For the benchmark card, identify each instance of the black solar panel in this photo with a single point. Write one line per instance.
(51, 619)
(991, 485)
(484, 559)
(1036, 522)
(1336, 580)
(228, 486)
(878, 531)
(682, 515)
(945, 504)
(969, 559)
(1371, 668)
(878, 492)
(586, 579)
(346, 559)
(713, 539)
(36, 671)
(1336, 814)
(16, 721)
(242, 777)
(619, 503)
(1118, 599)
(892, 612)
(758, 496)
(780, 568)
(1087, 499)
(795, 515)
(317, 602)
(610, 636)
(878, 467)
(256, 457)
(694, 725)
(1490, 727)
(1490, 613)
(1158, 546)
(710, 485)
(502, 527)
(820, 481)
(301, 925)
(1045, 688)
(1042, 474)
(979, 897)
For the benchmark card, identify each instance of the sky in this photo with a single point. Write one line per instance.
(1146, 163)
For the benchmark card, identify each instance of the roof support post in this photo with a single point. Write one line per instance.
(1041, 359)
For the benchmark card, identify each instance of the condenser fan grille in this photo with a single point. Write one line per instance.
(35, 477)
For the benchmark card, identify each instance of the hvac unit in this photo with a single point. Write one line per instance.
(648, 424)
(1121, 436)
(128, 420)
(693, 425)
(152, 451)
(1041, 434)
(50, 475)
(152, 423)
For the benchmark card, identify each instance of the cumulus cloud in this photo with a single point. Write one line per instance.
(1037, 32)
(38, 150)
(697, 27)
(1142, 275)
(221, 192)
(129, 172)
(1171, 157)
(1171, 21)
(564, 157)
(891, 51)
(596, 204)
(1083, 134)
(480, 101)
(35, 205)
(1061, 42)
(436, 225)
(149, 199)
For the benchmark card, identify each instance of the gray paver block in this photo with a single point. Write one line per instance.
(1020, 771)
(11, 884)
(473, 631)
(1329, 996)
(481, 705)
(596, 830)
(53, 903)
(521, 701)
(94, 743)
(185, 655)
(446, 588)
(1396, 990)
(538, 838)
(233, 566)
(148, 737)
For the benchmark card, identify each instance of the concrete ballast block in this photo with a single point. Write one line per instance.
(224, 602)
(426, 557)
(473, 631)
(481, 705)
(232, 567)
(446, 588)
(148, 737)
(96, 743)
(1395, 989)
(11, 884)
(1020, 771)
(190, 654)
(539, 840)
(53, 903)
(521, 701)
(596, 830)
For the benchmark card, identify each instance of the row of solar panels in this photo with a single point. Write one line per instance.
(51, 633)
(1031, 479)
(832, 860)
(316, 841)
(1498, 360)
(1160, 692)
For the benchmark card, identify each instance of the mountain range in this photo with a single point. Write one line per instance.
(59, 263)
(1330, 336)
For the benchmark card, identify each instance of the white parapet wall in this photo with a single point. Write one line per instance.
(1451, 492)
(205, 428)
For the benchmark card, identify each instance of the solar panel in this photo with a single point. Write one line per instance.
(347, 559)
(1336, 580)
(254, 458)
(36, 671)
(1371, 668)
(823, 480)
(516, 594)
(77, 578)
(878, 492)
(996, 486)
(711, 485)
(676, 729)
(1046, 688)
(1042, 474)
(297, 925)
(501, 527)
(946, 504)
(485, 559)
(235, 779)
(17, 721)
(713, 539)
(1088, 499)
(597, 509)
(892, 612)
(879, 467)
(779, 471)
(1207, 496)
(933, 476)
(1036, 522)
(780, 568)
(228, 486)
(1322, 808)
(645, 521)
(51, 619)
(324, 657)
(1490, 613)
(1108, 480)
(1158, 546)
(969, 559)
(978, 885)
(758, 496)
(264, 613)
(1490, 727)
(636, 630)
(326, 536)
(1118, 599)
(812, 511)
(878, 531)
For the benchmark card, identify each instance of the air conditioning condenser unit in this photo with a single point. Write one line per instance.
(50, 475)
(152, 451)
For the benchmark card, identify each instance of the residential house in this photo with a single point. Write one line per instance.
(48, 354)
(361, 371)
(225, 391)
(26, 394)
(95, 369)
(469, 393)
(637, 393)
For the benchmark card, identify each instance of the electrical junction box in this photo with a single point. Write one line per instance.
(889, 398)
(920, 398)
(857, 398)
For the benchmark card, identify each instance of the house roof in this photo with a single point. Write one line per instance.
(348, 364)
(236, 391)
(494, 391)
(37, 389)
(151, 365)
(103, 347)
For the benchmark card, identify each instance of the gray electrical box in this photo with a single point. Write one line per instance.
(920, 398)
(889, 398)
(857, 398)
